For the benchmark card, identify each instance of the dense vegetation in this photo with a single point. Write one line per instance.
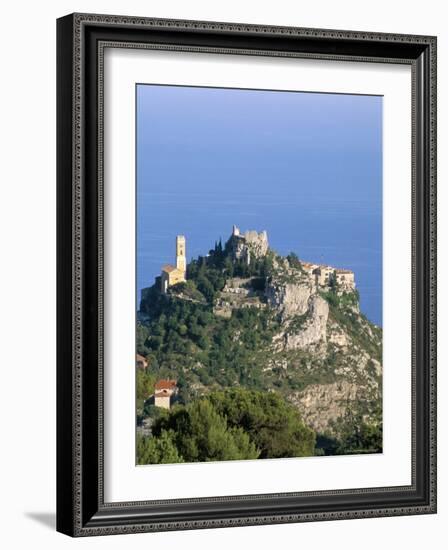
(344, 310)
(184, 339)
(188, 342)
(353, 435)
(227, 425)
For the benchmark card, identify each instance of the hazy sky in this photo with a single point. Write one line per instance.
(307, 167)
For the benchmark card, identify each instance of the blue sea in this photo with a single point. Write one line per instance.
(305, 167)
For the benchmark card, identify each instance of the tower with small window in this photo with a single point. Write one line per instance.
(181, 260)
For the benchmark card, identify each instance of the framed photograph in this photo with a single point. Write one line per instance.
(246, 274)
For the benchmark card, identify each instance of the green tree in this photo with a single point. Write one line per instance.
(356, 435)
(229, 266)
(142, 334)
(144, 384)
(157, 450)
(206, 288)
(294, 261)
(272, 424)
(202, 435)
(333, 282)
(234, 424)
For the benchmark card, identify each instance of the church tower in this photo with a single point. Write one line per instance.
(181, 259)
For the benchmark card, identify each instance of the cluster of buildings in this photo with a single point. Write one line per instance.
(246, 246)
(323, 275)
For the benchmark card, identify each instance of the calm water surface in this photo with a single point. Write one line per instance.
(306, 167)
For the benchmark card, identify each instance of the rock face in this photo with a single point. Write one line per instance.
(289, 299)
(257, 242)
(303, 312)
(314, 330)
(320, 404)
(331, 349)
(322, 344)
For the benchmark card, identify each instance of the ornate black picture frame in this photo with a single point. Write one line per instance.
(81, 509)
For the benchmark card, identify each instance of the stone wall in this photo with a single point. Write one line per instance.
(249, 245)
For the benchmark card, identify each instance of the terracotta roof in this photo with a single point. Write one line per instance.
(168, 268)
(165, 385)
(343, 271)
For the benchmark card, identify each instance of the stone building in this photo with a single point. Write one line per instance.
(345, 279)
(172, 275)
(249, 245)
(324, 274)
(163, 393)
(162, 399)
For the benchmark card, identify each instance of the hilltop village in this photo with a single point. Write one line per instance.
(244, 247)
(269, 351)
(243, 317)
(247, 246)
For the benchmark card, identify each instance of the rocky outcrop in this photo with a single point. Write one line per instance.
(257, 243)
(339, 338)
(288, 299)
(314, 330)
(237, 283)
(320, 404)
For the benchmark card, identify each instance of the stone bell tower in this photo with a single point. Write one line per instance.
(181, 259)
